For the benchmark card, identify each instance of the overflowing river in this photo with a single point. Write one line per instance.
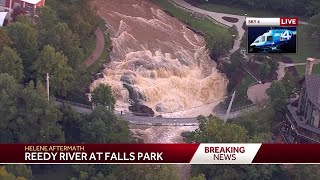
(157, 61)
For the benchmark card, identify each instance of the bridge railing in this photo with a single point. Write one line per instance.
(242, 108)
(156, 119)
(74, 104)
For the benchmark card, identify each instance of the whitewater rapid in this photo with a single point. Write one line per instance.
(166, 65)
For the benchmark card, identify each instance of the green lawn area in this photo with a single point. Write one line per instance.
(104, 58)
(241, 98)
(90, 46)
(306, 48)
(206, 25)
(241, 10)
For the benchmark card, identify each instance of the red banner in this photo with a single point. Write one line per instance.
(159, 153)
(97, 153)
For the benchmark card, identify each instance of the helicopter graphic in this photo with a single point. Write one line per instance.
(272, 40)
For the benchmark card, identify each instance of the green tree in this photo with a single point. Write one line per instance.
(290, 83)
(20, 170)
(301, 172)
(47, 18)
(25, 20)
(25, 41)
(92, 172)
(4, 39)
(312, 7)
(71, 124)
(9, 91)
(84, 19)
(147, 172)
(63, 39)
(258, 124)
(213, 129)
(103, 95)
(4, 175)
(265, 70)
(237, 171)
(40, 117)
(199, 177)
(277, 91)
(103, 126)
(26, 115)
(313, 29)
(11, 63)
(55, 64)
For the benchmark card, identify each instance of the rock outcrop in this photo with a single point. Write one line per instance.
(141, 110)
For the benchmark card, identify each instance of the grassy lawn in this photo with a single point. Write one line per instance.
(241, 10)
(306, 48)
(206, 25)
(90, 45)
(104, 58)
(241, 98)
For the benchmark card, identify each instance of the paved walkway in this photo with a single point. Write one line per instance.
(100, 43)
(257, 93)
(218, 17)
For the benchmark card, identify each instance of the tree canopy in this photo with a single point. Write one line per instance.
(102, 95)
(26, 114)
(214, 130)
(25, 40)
(53, 62)
(11, 63)
(103, 126)
(4, 39)
(292, 7)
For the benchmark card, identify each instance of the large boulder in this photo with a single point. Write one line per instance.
(141, 110)
(127, 79)
(134, 94)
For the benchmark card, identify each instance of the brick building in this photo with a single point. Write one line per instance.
(29, 6)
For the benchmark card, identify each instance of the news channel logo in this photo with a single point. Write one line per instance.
(267, 39)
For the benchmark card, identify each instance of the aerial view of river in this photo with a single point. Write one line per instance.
(157, 61)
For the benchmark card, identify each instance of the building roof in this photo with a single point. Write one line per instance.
(2, 17)
(313, 89)
(31, 1)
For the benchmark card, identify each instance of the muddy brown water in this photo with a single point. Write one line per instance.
(162, 59)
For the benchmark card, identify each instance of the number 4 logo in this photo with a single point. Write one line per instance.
(285, 36)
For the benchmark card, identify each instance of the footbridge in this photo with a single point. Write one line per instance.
(144, 119)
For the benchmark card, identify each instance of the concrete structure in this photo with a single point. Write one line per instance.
(29, 6)
(303, 118)
(3, 16)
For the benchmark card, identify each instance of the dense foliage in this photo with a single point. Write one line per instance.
(280, 91)
(293, 7)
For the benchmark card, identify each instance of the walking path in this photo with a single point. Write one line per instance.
(217, 17)
(257, 93)
(100, 43)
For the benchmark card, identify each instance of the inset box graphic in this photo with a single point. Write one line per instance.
(272, 35)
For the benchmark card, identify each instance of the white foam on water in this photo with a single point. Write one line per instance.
(168, 63)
